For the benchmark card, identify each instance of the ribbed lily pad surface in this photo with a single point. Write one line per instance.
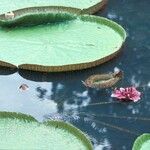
(11, 5)
(142, 142)
(61, 46)
(18, 131)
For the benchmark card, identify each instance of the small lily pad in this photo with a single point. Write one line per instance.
(88, 6)
(19, 131)
(68, 41)
(142, 142)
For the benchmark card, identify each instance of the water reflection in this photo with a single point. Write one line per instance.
(63, 97)
(110, 125)
(7, 71)
(42, 92)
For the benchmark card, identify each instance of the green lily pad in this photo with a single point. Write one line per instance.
(19, 131)
(142, 142)
(68, 42)
(88, 6)
(38, 16)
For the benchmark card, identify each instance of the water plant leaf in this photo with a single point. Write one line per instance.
(142, 142)
(88, 6)
(103, 80)
(37, 16)
(69, 42)
(19, 131)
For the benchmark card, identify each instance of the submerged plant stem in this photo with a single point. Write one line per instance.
(102, 103)
(116, 127)
(123, 117)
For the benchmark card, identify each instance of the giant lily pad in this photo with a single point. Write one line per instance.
(69, 42)
(88, 6)
(142, 142)
(19, 131)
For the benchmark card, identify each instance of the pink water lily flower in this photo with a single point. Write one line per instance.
(129, 93)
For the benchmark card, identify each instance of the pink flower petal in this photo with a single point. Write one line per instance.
(129, 93)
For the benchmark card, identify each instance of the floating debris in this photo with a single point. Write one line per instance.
(127, 94)
(24, 87)
(9, 15)
(103, 80)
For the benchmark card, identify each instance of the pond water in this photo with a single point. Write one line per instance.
(110, 125)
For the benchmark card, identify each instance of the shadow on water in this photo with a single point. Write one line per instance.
(67, 76)
(7, 71)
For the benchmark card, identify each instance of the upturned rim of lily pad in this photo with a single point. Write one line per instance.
(140, 141)
(89, 10)
(55, 123)
(95, 8)
(106, 80)
(78, 15)
(22, 15)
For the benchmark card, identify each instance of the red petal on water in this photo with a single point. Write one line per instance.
(128, 93)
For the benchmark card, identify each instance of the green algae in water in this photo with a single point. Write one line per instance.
(142, 142)
(10, 5)
(22, 133)
(81, 40)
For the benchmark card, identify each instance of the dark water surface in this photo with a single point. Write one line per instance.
(111, 125)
